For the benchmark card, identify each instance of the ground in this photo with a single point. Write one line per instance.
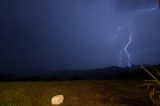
(76, 93)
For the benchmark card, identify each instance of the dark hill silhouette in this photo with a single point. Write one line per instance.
(114, 72)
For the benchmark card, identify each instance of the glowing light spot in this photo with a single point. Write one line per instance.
(57, 100)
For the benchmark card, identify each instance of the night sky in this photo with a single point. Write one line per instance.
(76, 34)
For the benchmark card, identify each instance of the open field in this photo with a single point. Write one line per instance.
(76, 93)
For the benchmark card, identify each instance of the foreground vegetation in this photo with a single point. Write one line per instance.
(76, 93)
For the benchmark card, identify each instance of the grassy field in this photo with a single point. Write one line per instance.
(76, 93)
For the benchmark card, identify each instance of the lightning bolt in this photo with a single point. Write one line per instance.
(125, 49)
(155, 6)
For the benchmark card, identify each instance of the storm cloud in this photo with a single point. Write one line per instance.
(75, 34)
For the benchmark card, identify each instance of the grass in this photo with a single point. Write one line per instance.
(153, 87)
(76, 93)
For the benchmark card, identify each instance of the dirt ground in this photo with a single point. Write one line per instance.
(76, 93)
